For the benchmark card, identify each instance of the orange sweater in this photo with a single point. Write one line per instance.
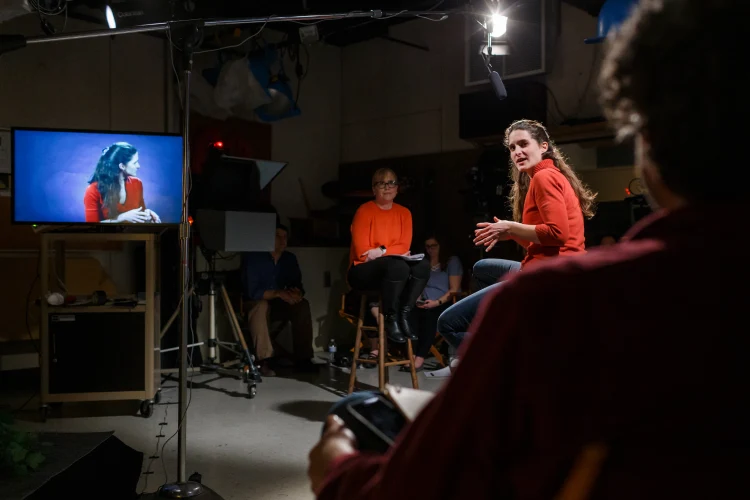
(373, 227)
(552, 206)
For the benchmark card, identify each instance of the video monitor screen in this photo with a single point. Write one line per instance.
(76, 177)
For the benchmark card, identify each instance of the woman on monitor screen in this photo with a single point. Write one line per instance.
(115, 194)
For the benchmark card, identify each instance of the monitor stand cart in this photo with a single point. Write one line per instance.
(76, 341)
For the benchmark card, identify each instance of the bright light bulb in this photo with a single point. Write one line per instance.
(110, 17)
(499, 25)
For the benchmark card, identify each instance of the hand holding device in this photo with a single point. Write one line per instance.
(375, 422)
(336, 442)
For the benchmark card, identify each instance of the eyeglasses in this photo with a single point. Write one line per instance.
(383, 185)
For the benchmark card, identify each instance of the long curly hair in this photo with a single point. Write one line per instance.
(521, 182)
(107, 172)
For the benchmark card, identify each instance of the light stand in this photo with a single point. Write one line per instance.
(183, 488)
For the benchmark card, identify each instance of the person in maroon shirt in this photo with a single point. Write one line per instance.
(549, 203)
(626, 350)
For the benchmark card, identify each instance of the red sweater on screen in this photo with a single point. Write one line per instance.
(94, 204)
(552, 206)
(372, 227)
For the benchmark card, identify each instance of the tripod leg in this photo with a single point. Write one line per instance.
(254, 374)
(212, 351)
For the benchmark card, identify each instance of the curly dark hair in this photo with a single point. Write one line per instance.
(671, 75)
(521, 182)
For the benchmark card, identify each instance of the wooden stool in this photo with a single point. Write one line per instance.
(383, 365)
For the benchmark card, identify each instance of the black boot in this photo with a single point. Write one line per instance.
(390, 295)
(414, 289)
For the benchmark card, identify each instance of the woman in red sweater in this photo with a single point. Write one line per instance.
(381, 234)
(549, 203)
(115, 194)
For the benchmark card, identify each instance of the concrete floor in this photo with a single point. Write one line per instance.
(244, 449)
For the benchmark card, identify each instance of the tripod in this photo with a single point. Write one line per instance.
(247, 370)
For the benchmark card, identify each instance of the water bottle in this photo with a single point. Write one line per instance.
(331, 351)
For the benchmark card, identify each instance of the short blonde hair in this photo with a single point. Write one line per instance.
(381, 174)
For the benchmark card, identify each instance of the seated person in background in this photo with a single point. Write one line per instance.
(549, 204)
(272, 290)
(653, 405)
(381, 231)
(446, 274)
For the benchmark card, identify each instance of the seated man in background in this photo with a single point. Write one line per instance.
(272, 291)
(632, 371)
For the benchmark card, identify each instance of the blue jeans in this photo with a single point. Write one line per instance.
(454, 322)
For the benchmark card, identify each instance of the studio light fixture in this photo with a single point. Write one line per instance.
(129, 13)
(498, 25)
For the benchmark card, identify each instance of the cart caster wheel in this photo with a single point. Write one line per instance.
(147, 408)
(157, 397)
(43, 413)
(252, 391)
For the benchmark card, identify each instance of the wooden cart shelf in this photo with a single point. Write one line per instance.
(99, 353)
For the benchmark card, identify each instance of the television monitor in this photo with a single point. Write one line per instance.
(85, 177)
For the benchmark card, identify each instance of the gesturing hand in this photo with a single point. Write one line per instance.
(489, 233)
(372, 254)
(337, 441)
(136, 215)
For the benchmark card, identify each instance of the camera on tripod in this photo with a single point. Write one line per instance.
(230, 216)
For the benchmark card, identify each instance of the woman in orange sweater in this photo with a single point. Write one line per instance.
(381, 232)
(549, 203)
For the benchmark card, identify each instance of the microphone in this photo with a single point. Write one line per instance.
(495, 80)
(497, 84)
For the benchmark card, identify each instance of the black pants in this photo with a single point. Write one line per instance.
(376, 274)
(424, 322)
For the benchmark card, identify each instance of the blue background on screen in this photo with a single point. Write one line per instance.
(52, 169)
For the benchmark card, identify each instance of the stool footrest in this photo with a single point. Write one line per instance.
(384, 362)
(398, 363)
(387, 363)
